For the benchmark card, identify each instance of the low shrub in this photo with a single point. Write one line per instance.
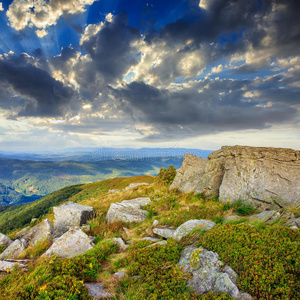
(166, 176)
(266, 258)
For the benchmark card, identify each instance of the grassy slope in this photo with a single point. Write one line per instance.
(265, 257)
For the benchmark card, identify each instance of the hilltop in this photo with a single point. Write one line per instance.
(248, 253)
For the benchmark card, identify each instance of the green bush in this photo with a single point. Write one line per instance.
(166, 176)
(266, 258)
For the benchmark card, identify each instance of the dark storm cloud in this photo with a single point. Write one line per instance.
(194, 113)
(32, 89)
(112, 49)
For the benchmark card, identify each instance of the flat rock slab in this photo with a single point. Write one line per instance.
(164, 232)
(7, 266)
(151, 239)
(39, 233)
(266, 216)
(71, 215)
(207, 274)
(14, 249)
(161, 243)
(188, 226)
(97, 291)
(73, 243)
(4, 240)
(134, 185)
(128, 211)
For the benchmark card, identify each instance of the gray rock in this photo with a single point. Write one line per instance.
(207, 273)
(297, 222)
(38, 233)
(188, 226)
(21, 233)
(97, 291)
(128, 211)
(14, 249)
(8, 266)
(119, 275)
(113, 191)
(120, 243)
(164, 232)
(266, 216)
(232, 274)
(151, 239)
(265, 177)
(85, 227)
(158, 244)
(70, 215)
(231, 218)
(134, 185)
(4, 240)
(73, 243)
(245, 296)
(155, 223)
(294, 227)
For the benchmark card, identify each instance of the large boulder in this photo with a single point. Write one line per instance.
(4, 240)
(39, 233)
(188, 226)
(73, 243)
(128, 211)
(262, 176)
(164, 232)
(70, 215)
(207, 272)
(14, 249)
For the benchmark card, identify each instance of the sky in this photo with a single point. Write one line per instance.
(118, 73)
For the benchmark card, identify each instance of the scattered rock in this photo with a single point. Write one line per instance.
(245, 296)
(207, 273)
(155, 223)
(97, 291)
(70, 215)
(120, 243)
(4, 240)
(188, 226)
(8, 266)
(113, 191)
(128, 211)
(33, 220)
(151, 239)
(164, 232)
(294, 227)
(39, 233)
(231, 218)
(85, 227)
(73, 243)
(134, 185)
(261, 176)
(158, 243)
(14, 249)
(266, 216)
(119, 275)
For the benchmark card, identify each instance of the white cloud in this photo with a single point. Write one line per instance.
(217, 69)
(42, 14)
(1, 7)
(203, 4)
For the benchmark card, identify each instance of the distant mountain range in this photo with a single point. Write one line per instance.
(33, 175)
(100, 154)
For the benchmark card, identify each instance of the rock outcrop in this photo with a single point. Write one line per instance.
(70, 215)
(265, 177)
(4, 240)
(208, 272)
(7, 266)
(128, 211)
(73, 243)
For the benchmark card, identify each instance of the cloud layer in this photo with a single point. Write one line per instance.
(224, 66)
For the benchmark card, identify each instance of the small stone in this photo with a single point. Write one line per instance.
(119, 275)
(4, 240)
(134, 185)
(7, 265)
(85, 227)
(294, 227)
(14, 249)
(151, 239)
(113, 191)
(164, 232)
(120, 243)
(245, 296)
(155, 223)
(158, 244)
(188, 226)
(97, 291)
